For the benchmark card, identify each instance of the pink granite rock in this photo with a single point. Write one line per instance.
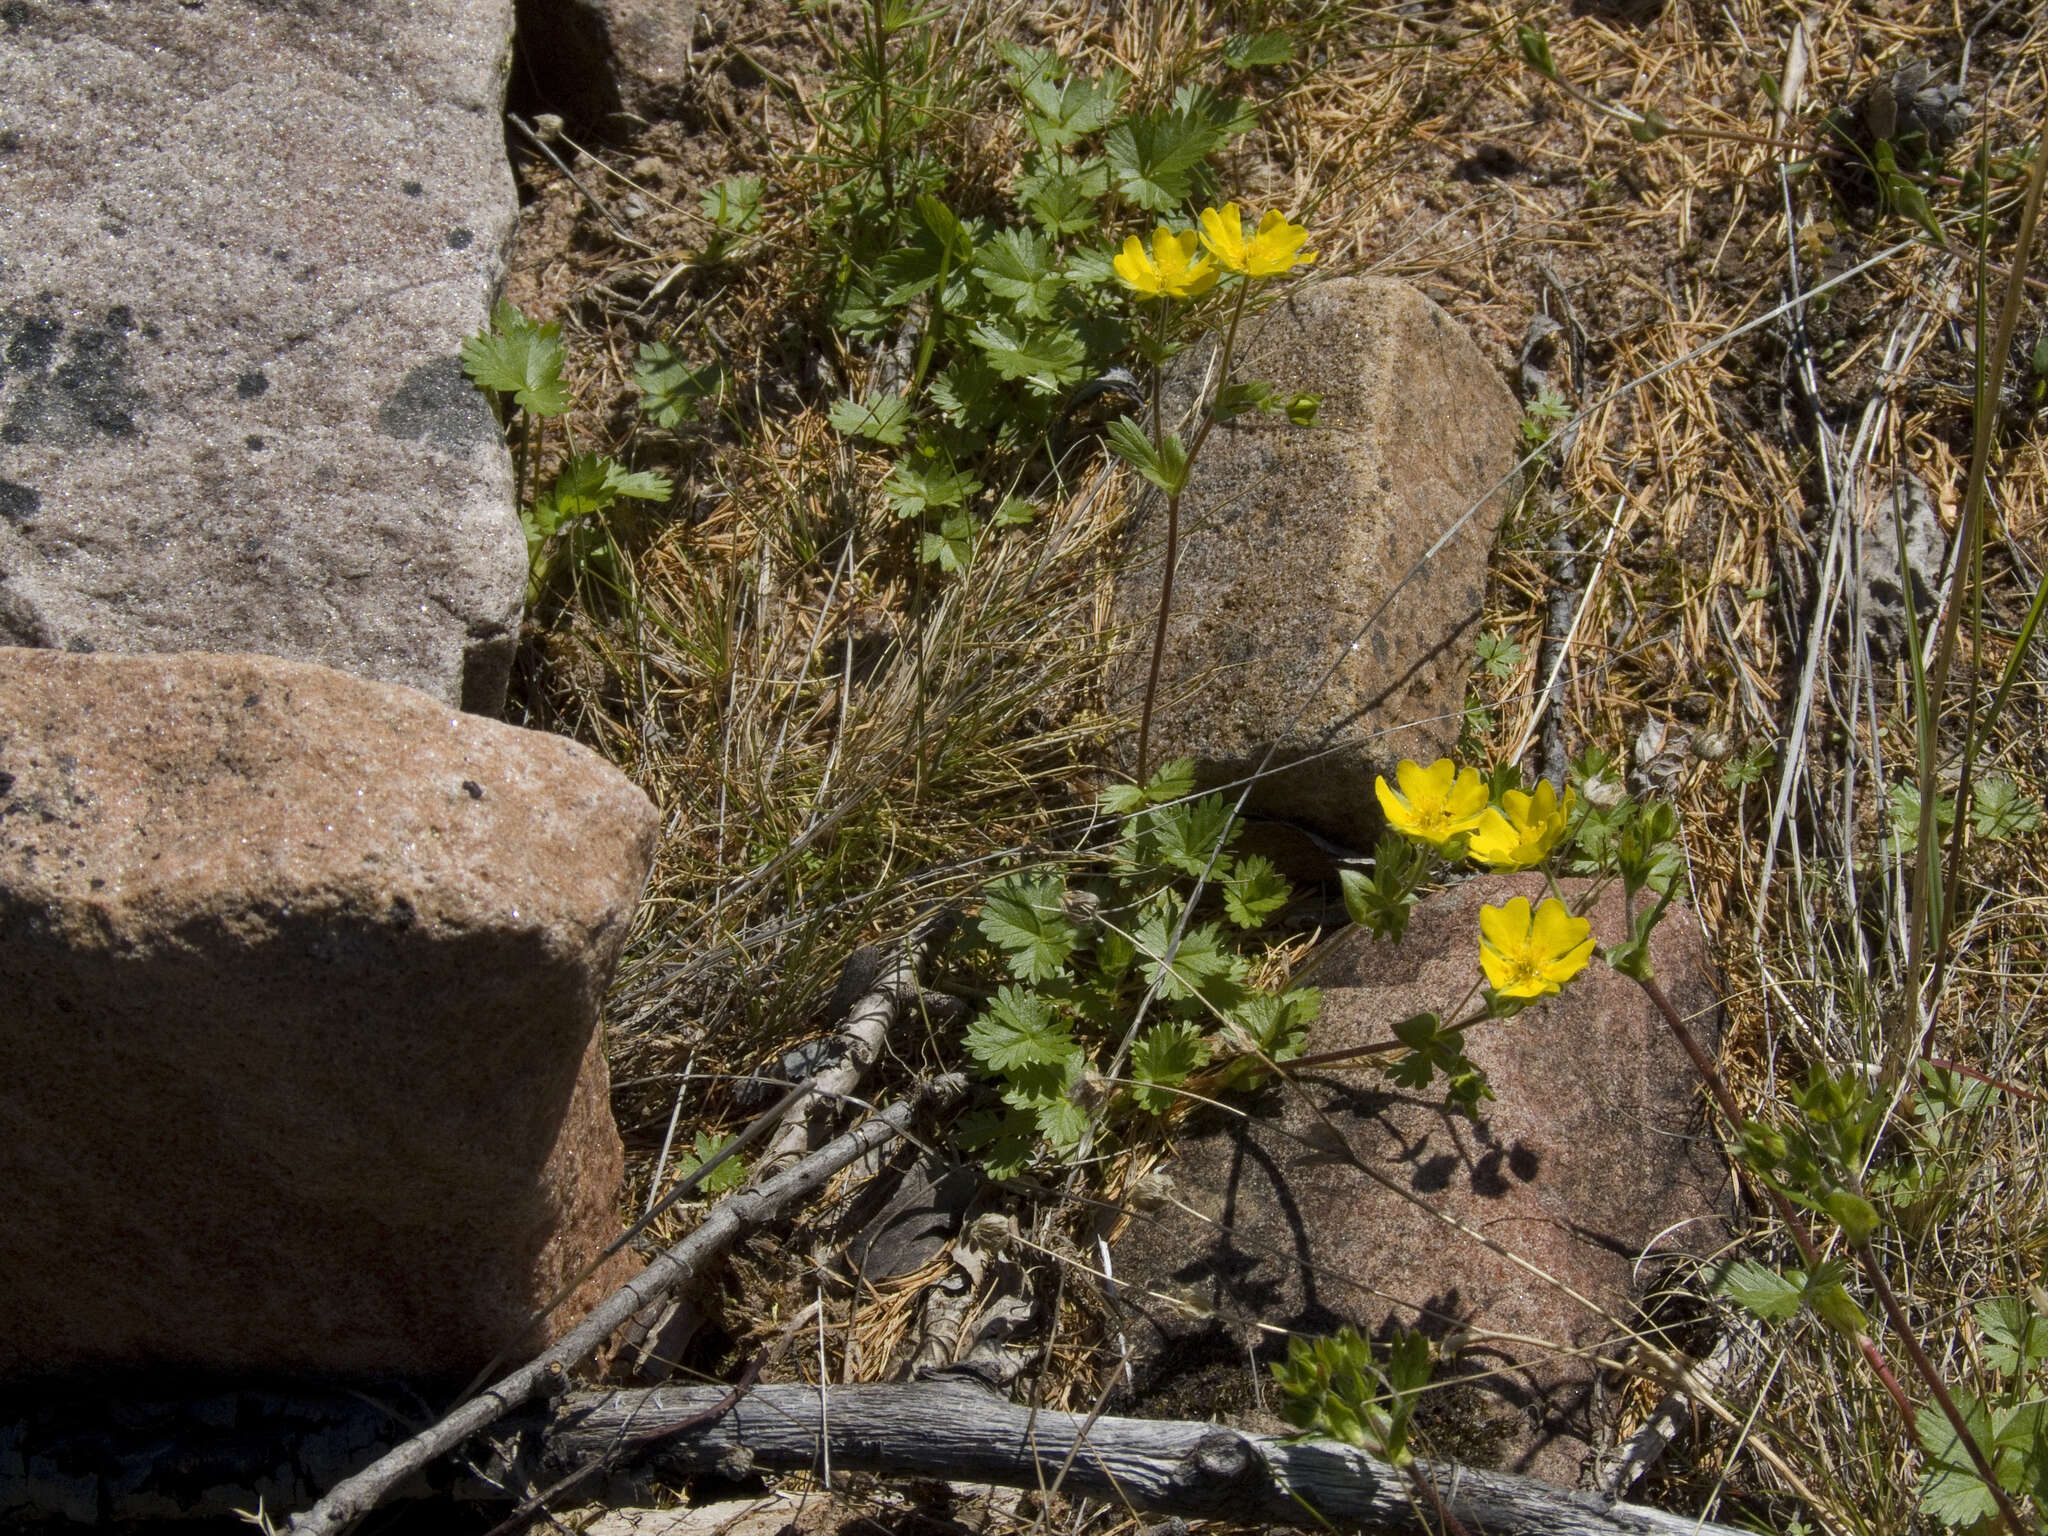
(1594, 1154)
(299, 989)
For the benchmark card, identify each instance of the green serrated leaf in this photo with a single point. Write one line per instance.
(1258, 50)
(1255, 891)
(950, 546)
(1950, 1489)
(519, 358)
(1153, 158)
(1025, 916)
(729, 1174)
(879, 418)
(1199, 964)
(1165, 1055)
(1005, 1139)
(1760, 1290)
(1018, 1030)
(1047, 359)
(1998, 810)
(915, 486)
(1018, 265)
(2015, 1336)
(1165, 464)
(733, 205)
(670, 389)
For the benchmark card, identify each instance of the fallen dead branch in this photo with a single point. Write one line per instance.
(953, 1429)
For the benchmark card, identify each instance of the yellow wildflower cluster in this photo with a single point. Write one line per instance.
(1443, 801)
(1525, 953)
(1171, 269)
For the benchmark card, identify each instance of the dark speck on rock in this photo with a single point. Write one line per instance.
(15, 13)
(411, 188)
(10, 140)
(460, 239)
(253, 442)
(252, 384)
(19, 503)
(6, 781)
(471, 788)
(81, 645)
(121, 318)
(252, 701)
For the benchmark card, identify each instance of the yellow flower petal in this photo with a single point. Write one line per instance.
(1435, 804)
(1529, 955)
(1136, 269)
(1275, 247)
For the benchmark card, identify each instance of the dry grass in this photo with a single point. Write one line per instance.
(839, 745)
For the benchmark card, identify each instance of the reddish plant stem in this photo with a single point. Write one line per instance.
(1866, 1256)
(1159, 633)
(1718, 1086)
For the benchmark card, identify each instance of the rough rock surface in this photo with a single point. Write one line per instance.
(1292, 538)
(1594, 1151)
(240, 245)
(299, 990)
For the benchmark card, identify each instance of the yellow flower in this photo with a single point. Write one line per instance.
(1527, 956)
(1520, 832)
(1276, 248)
(1435, 803)
(1170, 271)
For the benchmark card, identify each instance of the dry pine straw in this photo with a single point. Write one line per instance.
(1417, 145)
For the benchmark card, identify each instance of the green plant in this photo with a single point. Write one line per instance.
(517, 363)
(1081, 948)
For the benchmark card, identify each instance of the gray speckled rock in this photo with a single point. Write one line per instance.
(299, 989)
(240, 244)
(1292, 539)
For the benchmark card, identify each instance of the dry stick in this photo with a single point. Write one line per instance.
(861, 1037)
(1901, 1325)
(966, 1433)
(722, 1225)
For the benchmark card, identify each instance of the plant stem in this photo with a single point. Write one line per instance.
(1866, 1256)
(1173, 516)
(1801, 1238)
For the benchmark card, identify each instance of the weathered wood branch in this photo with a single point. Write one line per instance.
(725, 1222)
(211, 1456)
(965, 1433)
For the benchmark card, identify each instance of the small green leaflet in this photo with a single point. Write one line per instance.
(1018, 1030)
(1759, 1289)
(1261, 50)
(1255, 892)
(1025, 917)
(519, 358)
(1950, 1489)
(1047, 360)
(669, 387)
(1005, 1140)
(1166, 465)
(1166, 1054)
(1200, 963)
(729, 1174)
(913, 487)
(733, 205)
(879, 418)
(2015, 1337)
(951, 547)
(1277, 1025)
(1017, 265)
(1998, 810)
(1187, 835)
(1047, 1090)
(1153, 158)
(588, 484)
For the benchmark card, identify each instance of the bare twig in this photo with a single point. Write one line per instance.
(722, 1225)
